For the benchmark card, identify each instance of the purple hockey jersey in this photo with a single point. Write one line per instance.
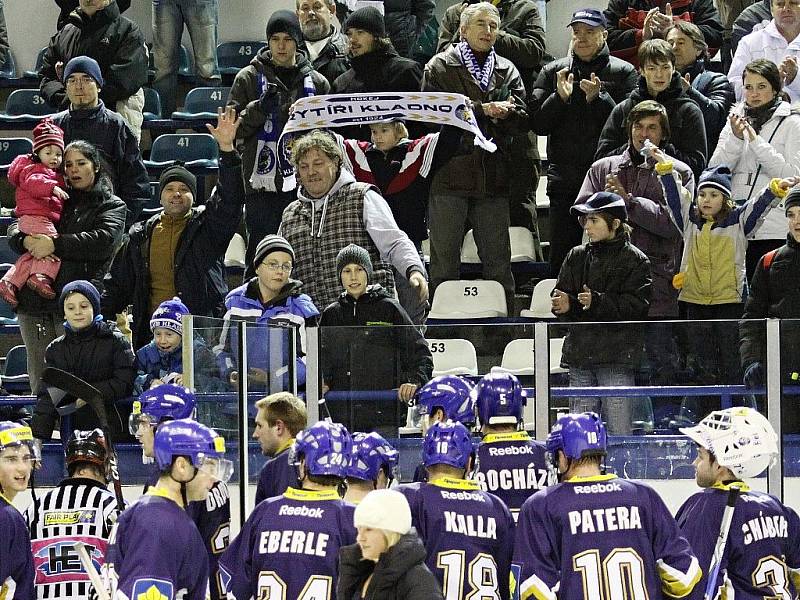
(601, 537)
(468, 535)
(763, 547)
(288, 548)
(277, 476)
(157, 552)
(16, 560)
(512, 466)
(213, 520)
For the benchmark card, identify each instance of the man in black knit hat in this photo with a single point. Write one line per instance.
(375, 64)
(261, 94)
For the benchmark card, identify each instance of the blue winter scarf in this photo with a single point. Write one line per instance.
(482, 76)
(269, 157)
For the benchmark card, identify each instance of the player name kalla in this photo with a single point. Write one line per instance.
(762, 527)
(471, 525)
(599, 520)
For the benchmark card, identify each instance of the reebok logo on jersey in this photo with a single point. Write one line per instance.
(597, 488)
(510, 450)
(69, 517)
(301, 511)
(477, 496)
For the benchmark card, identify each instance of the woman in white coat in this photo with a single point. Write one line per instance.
(760, 141)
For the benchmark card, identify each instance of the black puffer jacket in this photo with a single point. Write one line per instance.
(90, 228)
(199, 275)
(687, 127)
(376, 326)
(118, 147)
(379, 71)
(99, 355)
(774, 294)
(67, 6)
(332, 61)
(115, 42)
(573, 128)
(618, 273)
(748, 19)
(404, 20)
(714, 94)
(399, 574)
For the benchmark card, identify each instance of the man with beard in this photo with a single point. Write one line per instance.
(325, 47)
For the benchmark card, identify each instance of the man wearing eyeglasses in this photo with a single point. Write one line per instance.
(776, 42)
(179, 251)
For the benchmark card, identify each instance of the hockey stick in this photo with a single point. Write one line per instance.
(94, 576)
(722, 539)
(66, 389)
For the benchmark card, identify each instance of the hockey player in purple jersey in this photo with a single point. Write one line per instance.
(762, 553)
(80, 509)
(468, 533)
(279, 419)
(442, 398)
(17, 455)
(373, 466)
(510, 463)
(594, 536)
(213, 515)
(288, 548)
(156, 550)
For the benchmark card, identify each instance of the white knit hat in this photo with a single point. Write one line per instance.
(384, 509)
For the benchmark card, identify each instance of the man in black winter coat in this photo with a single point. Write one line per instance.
(660, 81)
(370, 343)
(325, 47)
(375, 66)
(179, 252)
(712, 91)
(97, 30)
(570, 102)
(88, 119)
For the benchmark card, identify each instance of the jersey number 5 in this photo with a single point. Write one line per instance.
(481, 576)
(272, 587)
(621, 575)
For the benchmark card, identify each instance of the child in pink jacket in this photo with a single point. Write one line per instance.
(40, 200)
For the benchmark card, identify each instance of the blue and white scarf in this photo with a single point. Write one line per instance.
(270, 155)
(482, 76)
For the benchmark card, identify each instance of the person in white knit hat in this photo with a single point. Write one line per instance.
(388, 559)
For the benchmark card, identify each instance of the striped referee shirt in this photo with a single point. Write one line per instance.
(79, 509)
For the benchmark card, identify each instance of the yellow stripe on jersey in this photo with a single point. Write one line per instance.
(285, 446)
(533, 587)
(676, 583)
(514, 436)
(606, 477)
(743, 487)
(456, 484)
(311, 495)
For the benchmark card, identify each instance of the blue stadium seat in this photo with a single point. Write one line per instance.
(152, 105)
(232, 57)
(11, 148)
(15, 372)
(193, 149)
(202, 103)
(39, 60)
(24, 108)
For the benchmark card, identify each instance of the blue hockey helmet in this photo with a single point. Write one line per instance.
(452, 394)
(17, 434)
(163, 403)
(499, 399)
(326, 448)
(577, 435)
(447, 443)
(201, 444)
(371, 452)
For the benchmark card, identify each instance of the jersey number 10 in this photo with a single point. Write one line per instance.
(621, 575)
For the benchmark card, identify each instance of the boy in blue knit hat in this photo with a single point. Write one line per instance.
(161, 361)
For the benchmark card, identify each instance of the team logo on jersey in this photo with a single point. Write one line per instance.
(152, 589)
(69, 517)
(464, 113)
(55, 560)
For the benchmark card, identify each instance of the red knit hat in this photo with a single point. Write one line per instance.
(46, 133)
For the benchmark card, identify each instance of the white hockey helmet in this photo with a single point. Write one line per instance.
(740, 438)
